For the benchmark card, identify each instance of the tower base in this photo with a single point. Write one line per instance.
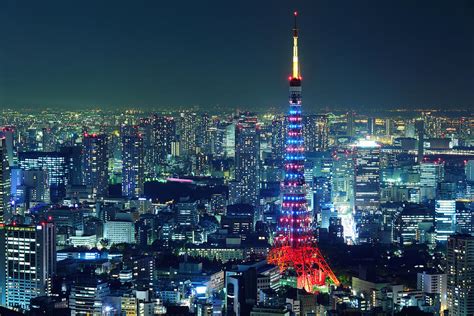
(307, 262)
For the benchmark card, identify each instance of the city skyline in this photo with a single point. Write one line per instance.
(156, 55)
(205, 211)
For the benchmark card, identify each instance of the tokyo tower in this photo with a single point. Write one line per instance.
(294, 245)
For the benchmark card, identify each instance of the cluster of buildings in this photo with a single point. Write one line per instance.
(135, 213)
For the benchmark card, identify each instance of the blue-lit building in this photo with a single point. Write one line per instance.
(56, 164)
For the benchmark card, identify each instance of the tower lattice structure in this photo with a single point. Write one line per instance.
(295, 246)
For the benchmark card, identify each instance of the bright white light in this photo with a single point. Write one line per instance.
(364, 143)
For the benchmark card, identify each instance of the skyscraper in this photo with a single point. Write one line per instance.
(187, 132)
(278, 137)
(4, 179)
(316, 132)
(28, 262)
(96, 160)
(366, 176)
(295, 246)
(164, 133)
(132, 162)
(247, 162)
(9, 133)
(460, 270)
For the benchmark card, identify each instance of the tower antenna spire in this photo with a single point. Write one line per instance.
(296, 66)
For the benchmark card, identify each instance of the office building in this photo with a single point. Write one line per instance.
(28, 262)
(55, 163)
(366, 176)
(87, 296)
(445, 219)
(119, 231)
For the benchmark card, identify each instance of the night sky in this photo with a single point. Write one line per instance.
(361, 54)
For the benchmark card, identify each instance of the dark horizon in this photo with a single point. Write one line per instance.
(362, 55)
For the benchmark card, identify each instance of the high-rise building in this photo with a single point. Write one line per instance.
(55, 163)
(460, 270)
(278, 130)
(316, 132)
(431, 173)
(247, 162)
(420, 129)
(229, 141)
(28, 262)
(96, 160)
(133, 161)
(445, 219)
(164, 133)
(366, 176)
(4, 180)
(8, 132)
(350, 126)
(187, 133)
(371, 126)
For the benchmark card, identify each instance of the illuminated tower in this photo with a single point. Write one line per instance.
(295, 246)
